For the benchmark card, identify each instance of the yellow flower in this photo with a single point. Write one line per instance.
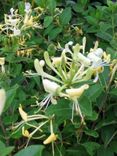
(50, 139)
(25, 133)
(75, 93)
(2, 61)
(23, 114)
(106, 57)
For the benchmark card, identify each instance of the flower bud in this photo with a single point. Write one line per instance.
(2, 61)
(23, 114)
(27, 7)
(25, 133)
(2, 100)
(42, 63)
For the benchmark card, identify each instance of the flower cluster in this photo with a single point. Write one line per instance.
(72, 67)
(14, 23)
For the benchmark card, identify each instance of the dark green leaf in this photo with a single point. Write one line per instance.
(91, 147)
(47, 21)
(33, 150)
(10, 96)
(65, 16)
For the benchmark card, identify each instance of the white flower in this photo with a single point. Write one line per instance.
(49, 86)
(27, 7)
(12, 11)
(96, 61)
(67, 49)
(2, 62)
(98, 52)
(2, 100)
(16, 32)
(13, 22)
(83, 59)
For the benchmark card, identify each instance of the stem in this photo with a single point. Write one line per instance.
(4, 131)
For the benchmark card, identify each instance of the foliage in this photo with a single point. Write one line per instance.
(54, 29)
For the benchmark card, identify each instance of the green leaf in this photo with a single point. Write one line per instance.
(94, 91)
(91, 147)
(79, 151)
(2, 145)
(61, 110)
(10, 96)
(104, 77)
(93, 117)
(41, 3)
(91, 20)
(113, 91)
(104, 152)
(90, 132)
(113, 146)
(85, 105)
(51, 5)
(21, 7)
(65, 16)
(5, 151)
(33, 150)
(47, 21)
(54, 32)
(105, 36)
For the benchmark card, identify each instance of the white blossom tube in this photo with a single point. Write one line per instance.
(2, 100)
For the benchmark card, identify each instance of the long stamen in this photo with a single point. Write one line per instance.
(78, 110)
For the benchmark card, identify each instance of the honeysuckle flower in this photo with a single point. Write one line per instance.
(50, 87)
(23, 114)
(50, 139)
(2, 62)
(27, 7)
(98, 52)
(15, 23)
(106, 57)
(83, 60)
(28, 20)
(39, 69)
(2, 100)
(12, 11)
(67, 47)
(75, 93)
(56, 60)
(83, 44)
(16, 32)
(25, 132)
